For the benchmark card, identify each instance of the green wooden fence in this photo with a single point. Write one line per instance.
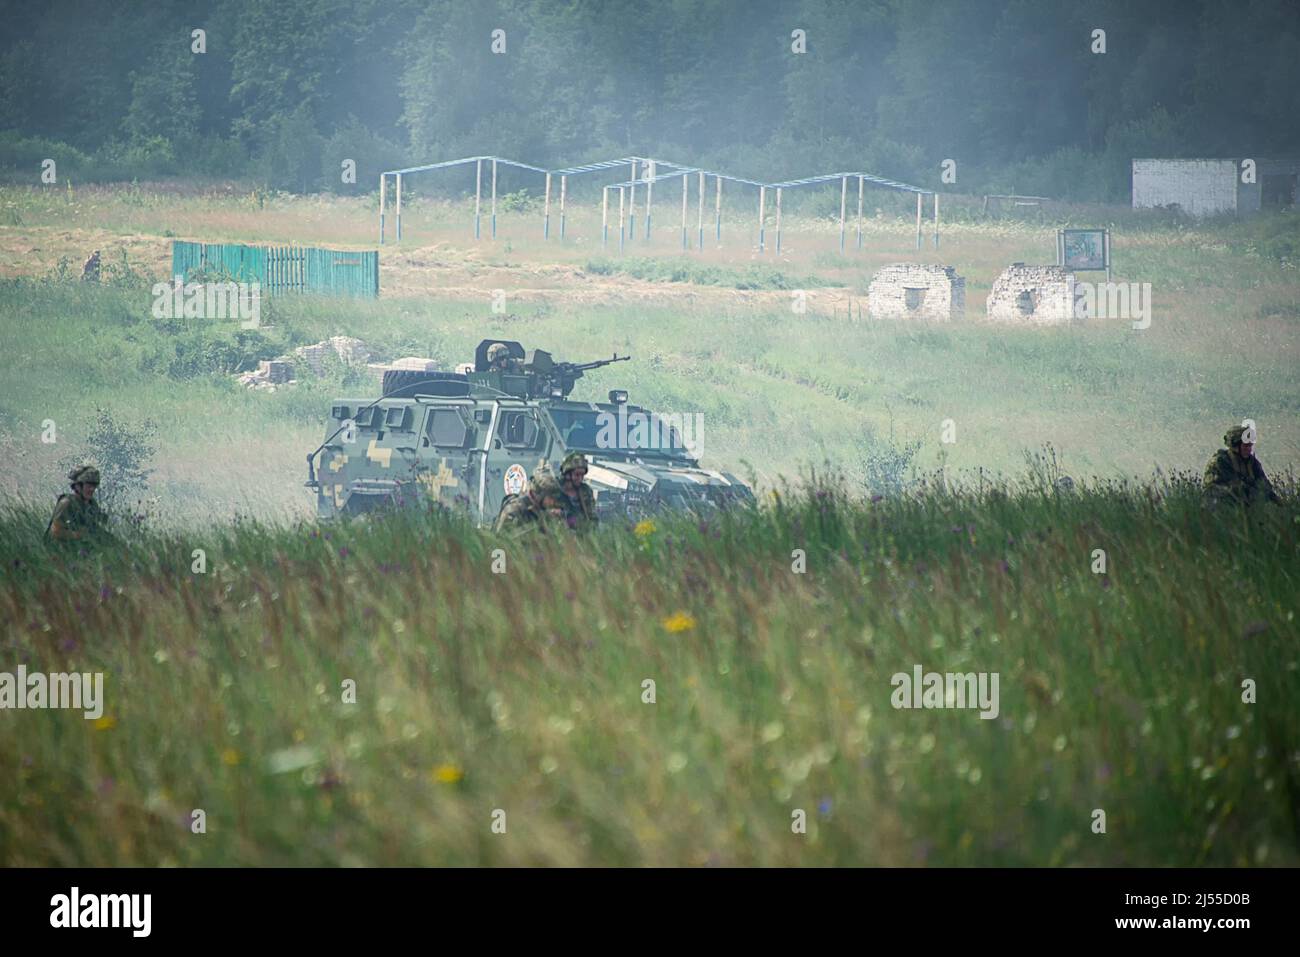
(282, 269)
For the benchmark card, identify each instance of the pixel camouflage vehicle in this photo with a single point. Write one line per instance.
(468, 439)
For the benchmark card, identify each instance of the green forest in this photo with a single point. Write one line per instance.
(1023, 95)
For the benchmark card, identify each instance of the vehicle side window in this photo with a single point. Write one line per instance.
(519, 430)
(398, 418)
(446, 429)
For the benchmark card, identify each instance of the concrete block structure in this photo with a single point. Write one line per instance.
(917, 291)
(1032, 295)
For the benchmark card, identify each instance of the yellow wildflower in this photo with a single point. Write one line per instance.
(679, 622)
(447, 774)
(644, 528)
(105, 723)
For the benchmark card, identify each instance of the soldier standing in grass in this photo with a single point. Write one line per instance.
(1234, 474)
(579, 501)
(78, 516)
(90, 269)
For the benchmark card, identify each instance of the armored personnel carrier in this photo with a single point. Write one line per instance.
(468, 439)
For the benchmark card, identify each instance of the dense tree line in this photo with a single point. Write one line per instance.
(1012, 90)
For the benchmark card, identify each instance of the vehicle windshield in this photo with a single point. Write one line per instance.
(633, 432)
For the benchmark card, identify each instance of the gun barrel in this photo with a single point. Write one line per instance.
(596, 364)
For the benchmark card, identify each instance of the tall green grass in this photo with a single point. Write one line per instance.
(683, 269)
(777, 389)
(524, 690)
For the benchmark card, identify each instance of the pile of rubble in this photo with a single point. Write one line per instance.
(349, 351)
(270, 373)
(281, 370)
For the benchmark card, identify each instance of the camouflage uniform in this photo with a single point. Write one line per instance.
(499, 357)
(544, 497)
(580, 511)
(521, 511)
(74, 518)
(1231, 478)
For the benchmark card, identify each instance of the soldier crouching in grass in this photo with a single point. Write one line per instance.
(540, 501)
(78, 517)
(1234, 474)
(565, 499)
(90, 268)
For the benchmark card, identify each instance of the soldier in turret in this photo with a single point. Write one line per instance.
(1234, 474)
(500, 360)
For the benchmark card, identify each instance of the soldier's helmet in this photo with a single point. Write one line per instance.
(497, 351)
(543, 484)
(85, 473)
(1235, 435)
(574, 460)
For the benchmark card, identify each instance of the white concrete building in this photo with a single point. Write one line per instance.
(1211, 187)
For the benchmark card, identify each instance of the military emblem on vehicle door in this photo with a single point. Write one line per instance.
(515, 479)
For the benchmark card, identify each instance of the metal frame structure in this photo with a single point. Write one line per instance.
(478, 187)
(627, 196)
(684, 174)
(863, 179)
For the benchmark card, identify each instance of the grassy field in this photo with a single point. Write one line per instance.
(712, 333)
(775, 393)
(522, 689)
